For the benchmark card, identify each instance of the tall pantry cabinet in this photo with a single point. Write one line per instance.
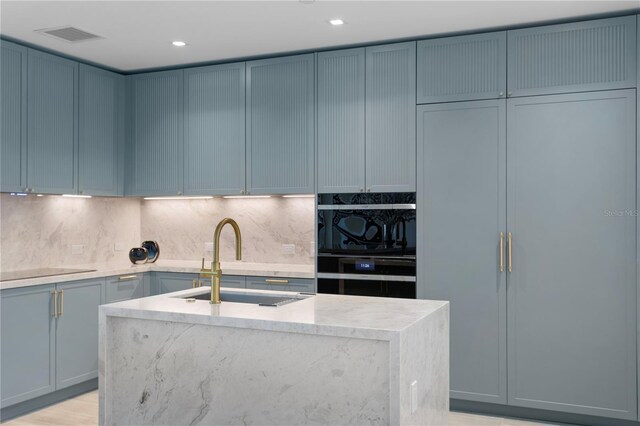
(526, 212)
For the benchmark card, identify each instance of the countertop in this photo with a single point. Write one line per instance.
(184, 266)
(346, 316)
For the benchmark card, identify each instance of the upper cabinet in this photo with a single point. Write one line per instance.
(390, 153)
(155, 134)
(51, 124)
(214, 130)
(13, 107)
(101, 131)
(366, 119)
(577, 57)
(462, 68)
(280, 125)
(341, 110)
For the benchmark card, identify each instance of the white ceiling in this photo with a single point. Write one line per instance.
(138, 34)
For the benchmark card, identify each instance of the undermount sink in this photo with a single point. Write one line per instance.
(255, 298)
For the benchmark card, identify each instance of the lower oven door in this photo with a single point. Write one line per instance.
(367, 285)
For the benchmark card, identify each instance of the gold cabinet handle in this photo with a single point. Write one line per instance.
(55, 303)
(510, 242)
(276, 281)
(193, 283)
(501, 251)
(127, 277)
(61, 303)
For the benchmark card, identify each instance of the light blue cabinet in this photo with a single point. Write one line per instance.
(51, 124)
(77, 331)
(101, 131)
(462, 68)
(299, 285)
(576, 57)
(167, 282)
(461, 214)
(341, 124)
(280, 125)
(214, 142)
(27, 343)
(155, 136)
(13, 110)
(390, 155)
(571, 200)
(126, 287)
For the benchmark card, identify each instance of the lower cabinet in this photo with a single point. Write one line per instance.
(168, 282)
(49, 338)
(77, 331)
(300, 285)
(27, 343)
(125, 287)
(49, 333)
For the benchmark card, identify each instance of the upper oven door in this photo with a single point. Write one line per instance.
(376, 229)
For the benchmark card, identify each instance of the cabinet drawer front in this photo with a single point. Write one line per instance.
(462, 68)
(124, 287)
(282, 284)
(230, 281)
(583, 56)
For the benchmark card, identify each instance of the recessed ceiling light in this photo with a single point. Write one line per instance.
(179, 43)
(336, 22)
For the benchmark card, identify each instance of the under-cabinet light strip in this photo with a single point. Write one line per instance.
(179, 198)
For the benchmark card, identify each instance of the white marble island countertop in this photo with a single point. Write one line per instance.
(99, 270)
(326, 314)
(324, 359)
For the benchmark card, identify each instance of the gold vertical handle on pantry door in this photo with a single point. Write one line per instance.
(61, 303)
(510, 242)
(502, 252)
(55, 303)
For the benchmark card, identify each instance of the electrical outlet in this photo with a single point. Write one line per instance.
(288, 249)
(414, 396)
(77, 249)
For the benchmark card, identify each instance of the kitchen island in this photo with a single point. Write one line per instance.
(321, 359)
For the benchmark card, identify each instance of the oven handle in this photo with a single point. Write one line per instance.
(366, 277)
(404, 206)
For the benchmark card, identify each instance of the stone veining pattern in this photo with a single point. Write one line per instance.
(38, 232)
(182, 227)
(251, 374)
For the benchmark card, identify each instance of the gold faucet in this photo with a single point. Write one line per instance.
(215, 270)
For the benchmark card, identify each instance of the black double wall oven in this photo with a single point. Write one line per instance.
(367, 244)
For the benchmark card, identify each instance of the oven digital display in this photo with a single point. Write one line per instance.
(365, 265)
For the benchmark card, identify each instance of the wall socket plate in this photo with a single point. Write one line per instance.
(288, 249)
(414, 396)
(77, 249)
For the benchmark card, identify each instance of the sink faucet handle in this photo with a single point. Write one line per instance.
(202, 263)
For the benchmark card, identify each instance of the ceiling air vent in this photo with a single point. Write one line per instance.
(68, 34)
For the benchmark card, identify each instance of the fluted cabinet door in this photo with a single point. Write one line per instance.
(214, 142)
(13, 127)
(391, 118)
(51, 124)
(155, 139)
(576, 57)
(101, 99)
(341, 111)
(571, 208)
(462, 68)
(280, 125)
(461, 213)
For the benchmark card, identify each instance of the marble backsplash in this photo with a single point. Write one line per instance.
(39, 232)
(182, 227)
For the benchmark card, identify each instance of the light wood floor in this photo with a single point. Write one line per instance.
(83, 411)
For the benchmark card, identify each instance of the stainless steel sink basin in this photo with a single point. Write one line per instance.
(255, 299)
